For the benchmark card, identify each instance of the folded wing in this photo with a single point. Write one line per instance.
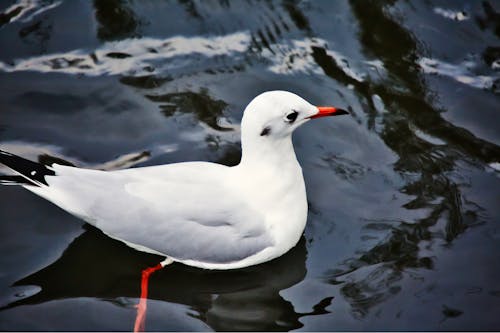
(184, 211)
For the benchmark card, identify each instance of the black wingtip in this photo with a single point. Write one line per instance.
(32, 171)
(14, 180)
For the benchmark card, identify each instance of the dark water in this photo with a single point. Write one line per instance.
(404, 194)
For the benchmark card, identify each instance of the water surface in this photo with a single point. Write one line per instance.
(403, 194)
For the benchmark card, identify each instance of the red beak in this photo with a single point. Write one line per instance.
(326, 111)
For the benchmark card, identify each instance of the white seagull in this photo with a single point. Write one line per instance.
(198, 213)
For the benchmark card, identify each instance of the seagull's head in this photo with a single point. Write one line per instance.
(276, 114)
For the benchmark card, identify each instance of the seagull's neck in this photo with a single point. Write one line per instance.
(264, 152)
(271, 176)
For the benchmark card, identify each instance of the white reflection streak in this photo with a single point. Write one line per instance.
(293, 57)
(30, 9)
(32, 151)
(458, 72)
(132, 56)
(495, 166)
(146, 56)
(342, 62)
(450, 14)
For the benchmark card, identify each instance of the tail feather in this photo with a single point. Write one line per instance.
(32, 171)
(14, 180)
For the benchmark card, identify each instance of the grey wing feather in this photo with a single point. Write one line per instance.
(209, 225)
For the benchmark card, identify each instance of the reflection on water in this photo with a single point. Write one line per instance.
(460, 72)
(200, 104)
(403, 197)
(433, 183)
(26, 10)
(136, 56)
(246, 299)
(116, 20)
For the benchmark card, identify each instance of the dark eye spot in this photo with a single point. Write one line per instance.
(265, 131)
(291, 116)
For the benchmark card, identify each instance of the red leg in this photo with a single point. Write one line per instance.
(140, 318)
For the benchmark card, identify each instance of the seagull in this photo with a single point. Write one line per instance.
(200, 214)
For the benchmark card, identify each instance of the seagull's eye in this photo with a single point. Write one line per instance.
(290, 118)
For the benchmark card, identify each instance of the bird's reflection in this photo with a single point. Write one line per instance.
(246, 299)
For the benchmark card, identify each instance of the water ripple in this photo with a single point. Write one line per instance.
(26, 10)
(461, 72)
(135, 56)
